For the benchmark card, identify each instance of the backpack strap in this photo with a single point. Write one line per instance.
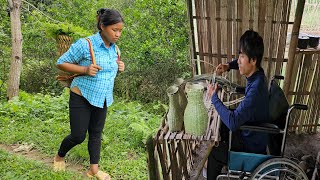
(93, 59)
(118, 52)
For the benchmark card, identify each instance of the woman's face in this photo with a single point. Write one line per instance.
(111, 33)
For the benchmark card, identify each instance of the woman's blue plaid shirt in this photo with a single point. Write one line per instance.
(96, 89)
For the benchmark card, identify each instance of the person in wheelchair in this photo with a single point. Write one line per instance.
(252, 110)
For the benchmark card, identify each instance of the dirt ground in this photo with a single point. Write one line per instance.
(33, 154)
(297, 146)
(300, 145)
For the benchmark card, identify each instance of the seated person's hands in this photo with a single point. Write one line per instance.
(221, 68)
(211, 89)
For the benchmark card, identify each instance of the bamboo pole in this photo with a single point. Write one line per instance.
(293, 44)
(218, 18)
(200, 33)
(208, 21)
(192, 47)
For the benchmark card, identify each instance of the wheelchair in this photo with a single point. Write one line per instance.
(273, 165)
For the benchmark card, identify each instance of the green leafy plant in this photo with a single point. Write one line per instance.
(75, 32)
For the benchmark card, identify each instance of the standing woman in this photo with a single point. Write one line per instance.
(92, 92)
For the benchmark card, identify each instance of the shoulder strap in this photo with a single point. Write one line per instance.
(118, 53)
(93, 59)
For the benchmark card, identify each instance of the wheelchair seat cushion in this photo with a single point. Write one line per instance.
(245, 162)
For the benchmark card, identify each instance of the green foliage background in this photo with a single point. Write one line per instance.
(154, 47)
(154, 43)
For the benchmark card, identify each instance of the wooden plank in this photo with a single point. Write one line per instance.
(229, 29)
(303, 86)
(262, 17)
(218, 22)
(214, 35)
(310, 98)
(223, 25)
(164, 132)
(267, 34)
(199, 22)
(293, 80)
(294, 85)
(276, 37)
(282, 37)
(246, 15)
(162, 162)
(172, 136)
(179, 135)
(255, 12)
(183, 160)
(314, 96)
(175, 174)
(157, 161)
(209, 31)
(166, 136)
(240, 29)
(191, 35)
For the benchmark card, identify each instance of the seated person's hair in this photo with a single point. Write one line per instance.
(251, 43)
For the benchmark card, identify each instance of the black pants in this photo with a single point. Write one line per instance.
(219, 155)
(84, 117)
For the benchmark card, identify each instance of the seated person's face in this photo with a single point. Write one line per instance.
(246, 68)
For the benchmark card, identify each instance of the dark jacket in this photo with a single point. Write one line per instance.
(253, 110)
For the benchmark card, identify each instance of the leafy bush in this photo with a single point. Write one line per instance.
(41, 82)
(154, 48)
(154, 43)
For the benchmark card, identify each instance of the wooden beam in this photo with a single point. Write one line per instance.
(293, 44)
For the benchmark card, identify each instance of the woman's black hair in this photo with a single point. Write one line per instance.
(108, 17)
(251, 43)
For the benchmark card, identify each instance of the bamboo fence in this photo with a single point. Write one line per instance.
(179, 155)
(215, 30)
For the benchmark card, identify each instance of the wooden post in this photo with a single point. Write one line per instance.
(16, 56)
(293, 44)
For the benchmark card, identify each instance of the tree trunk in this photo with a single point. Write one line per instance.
(16, 57)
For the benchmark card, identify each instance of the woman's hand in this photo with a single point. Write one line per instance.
(92, 70)
(120, 66)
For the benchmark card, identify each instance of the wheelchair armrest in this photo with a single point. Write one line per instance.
(264, 127)
(299, 106)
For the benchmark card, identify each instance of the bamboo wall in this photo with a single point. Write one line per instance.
(216, 27)
(304, 88)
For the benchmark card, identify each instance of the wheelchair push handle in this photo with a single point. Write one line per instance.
(278, 77)
(299, 106)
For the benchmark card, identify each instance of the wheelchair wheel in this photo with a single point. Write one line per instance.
(279, 168)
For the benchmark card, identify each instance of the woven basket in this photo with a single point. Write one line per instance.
(63, 44)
